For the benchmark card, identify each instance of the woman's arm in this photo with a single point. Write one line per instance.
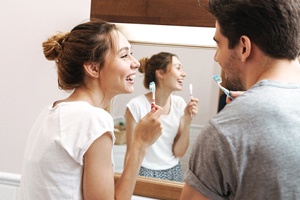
(130, 125)
(182, 139)
(146, 132)
(98, 175)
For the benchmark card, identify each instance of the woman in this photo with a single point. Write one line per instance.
(162, 158)
(69, 149)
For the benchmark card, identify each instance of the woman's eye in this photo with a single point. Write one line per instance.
(126, 55)
(179, 67)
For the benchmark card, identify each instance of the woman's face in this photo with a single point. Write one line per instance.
(117, 77)
(174, 77)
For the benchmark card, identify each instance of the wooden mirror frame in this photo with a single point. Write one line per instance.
(155, 188)
(158, 12)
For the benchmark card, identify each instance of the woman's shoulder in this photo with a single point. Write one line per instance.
(177, 97)
(82, 109)
(140, 98)
(178, 100)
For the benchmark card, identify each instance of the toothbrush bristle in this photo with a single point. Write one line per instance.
(217, 78)
(152, 86)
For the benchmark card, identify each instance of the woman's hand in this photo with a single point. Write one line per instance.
(191, 109)
(149, 128)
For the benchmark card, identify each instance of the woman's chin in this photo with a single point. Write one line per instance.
(129, 90)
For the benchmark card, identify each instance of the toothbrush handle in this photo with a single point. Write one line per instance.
(153, 104)
(191, 96)
(227, 92)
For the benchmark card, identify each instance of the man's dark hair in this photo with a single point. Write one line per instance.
(273, 25)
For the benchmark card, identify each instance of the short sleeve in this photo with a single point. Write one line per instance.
(138, 107)
(80, 128)
(180, 104)
(210, 170)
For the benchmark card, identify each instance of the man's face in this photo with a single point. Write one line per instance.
(228, 60)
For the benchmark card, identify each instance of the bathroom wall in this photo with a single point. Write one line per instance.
(28, 81)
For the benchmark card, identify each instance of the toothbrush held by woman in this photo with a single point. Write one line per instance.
(191, 96)
(152, 89)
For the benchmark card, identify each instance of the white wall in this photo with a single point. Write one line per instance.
(27, 79)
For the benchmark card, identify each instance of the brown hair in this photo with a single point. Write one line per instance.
(272, 25)
(87, 42)
(158, 61)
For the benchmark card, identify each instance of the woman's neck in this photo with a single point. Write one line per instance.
(162, 98)
(95, 98)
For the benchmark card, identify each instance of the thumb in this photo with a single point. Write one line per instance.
(236, 94)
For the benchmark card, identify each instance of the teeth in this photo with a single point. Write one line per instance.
(130, 77)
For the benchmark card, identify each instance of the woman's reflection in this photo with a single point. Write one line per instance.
(162, 158)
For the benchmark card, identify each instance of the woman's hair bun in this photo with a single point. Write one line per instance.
(143, 64)
(52, 47)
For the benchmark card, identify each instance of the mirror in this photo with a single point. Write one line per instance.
(195, 49)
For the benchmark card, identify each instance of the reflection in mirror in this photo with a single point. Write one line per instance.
(163, 75)
(198, 64)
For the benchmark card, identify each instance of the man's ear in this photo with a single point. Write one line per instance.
(245, 47)
(91, 69)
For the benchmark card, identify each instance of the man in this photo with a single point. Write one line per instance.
(251, 149)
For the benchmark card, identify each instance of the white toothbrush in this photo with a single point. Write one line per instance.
(152, 89)
(191, 91)
(218, 80)
(191, 96)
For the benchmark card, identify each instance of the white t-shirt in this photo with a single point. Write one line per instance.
(53, 160)
(159, 156)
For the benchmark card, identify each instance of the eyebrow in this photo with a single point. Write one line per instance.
(123, 48)
(177, 64)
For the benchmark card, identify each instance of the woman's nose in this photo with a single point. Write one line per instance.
(215, 57)
(135, 63)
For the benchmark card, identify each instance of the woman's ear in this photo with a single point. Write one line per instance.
(245, 48)
(91, 69)
(159, 74)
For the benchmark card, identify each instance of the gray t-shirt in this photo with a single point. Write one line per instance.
(251, 149)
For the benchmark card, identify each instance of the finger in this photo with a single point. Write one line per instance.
(194, 100)
(236, 94)
(194, 111)
(228, 100)
(157, 112)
